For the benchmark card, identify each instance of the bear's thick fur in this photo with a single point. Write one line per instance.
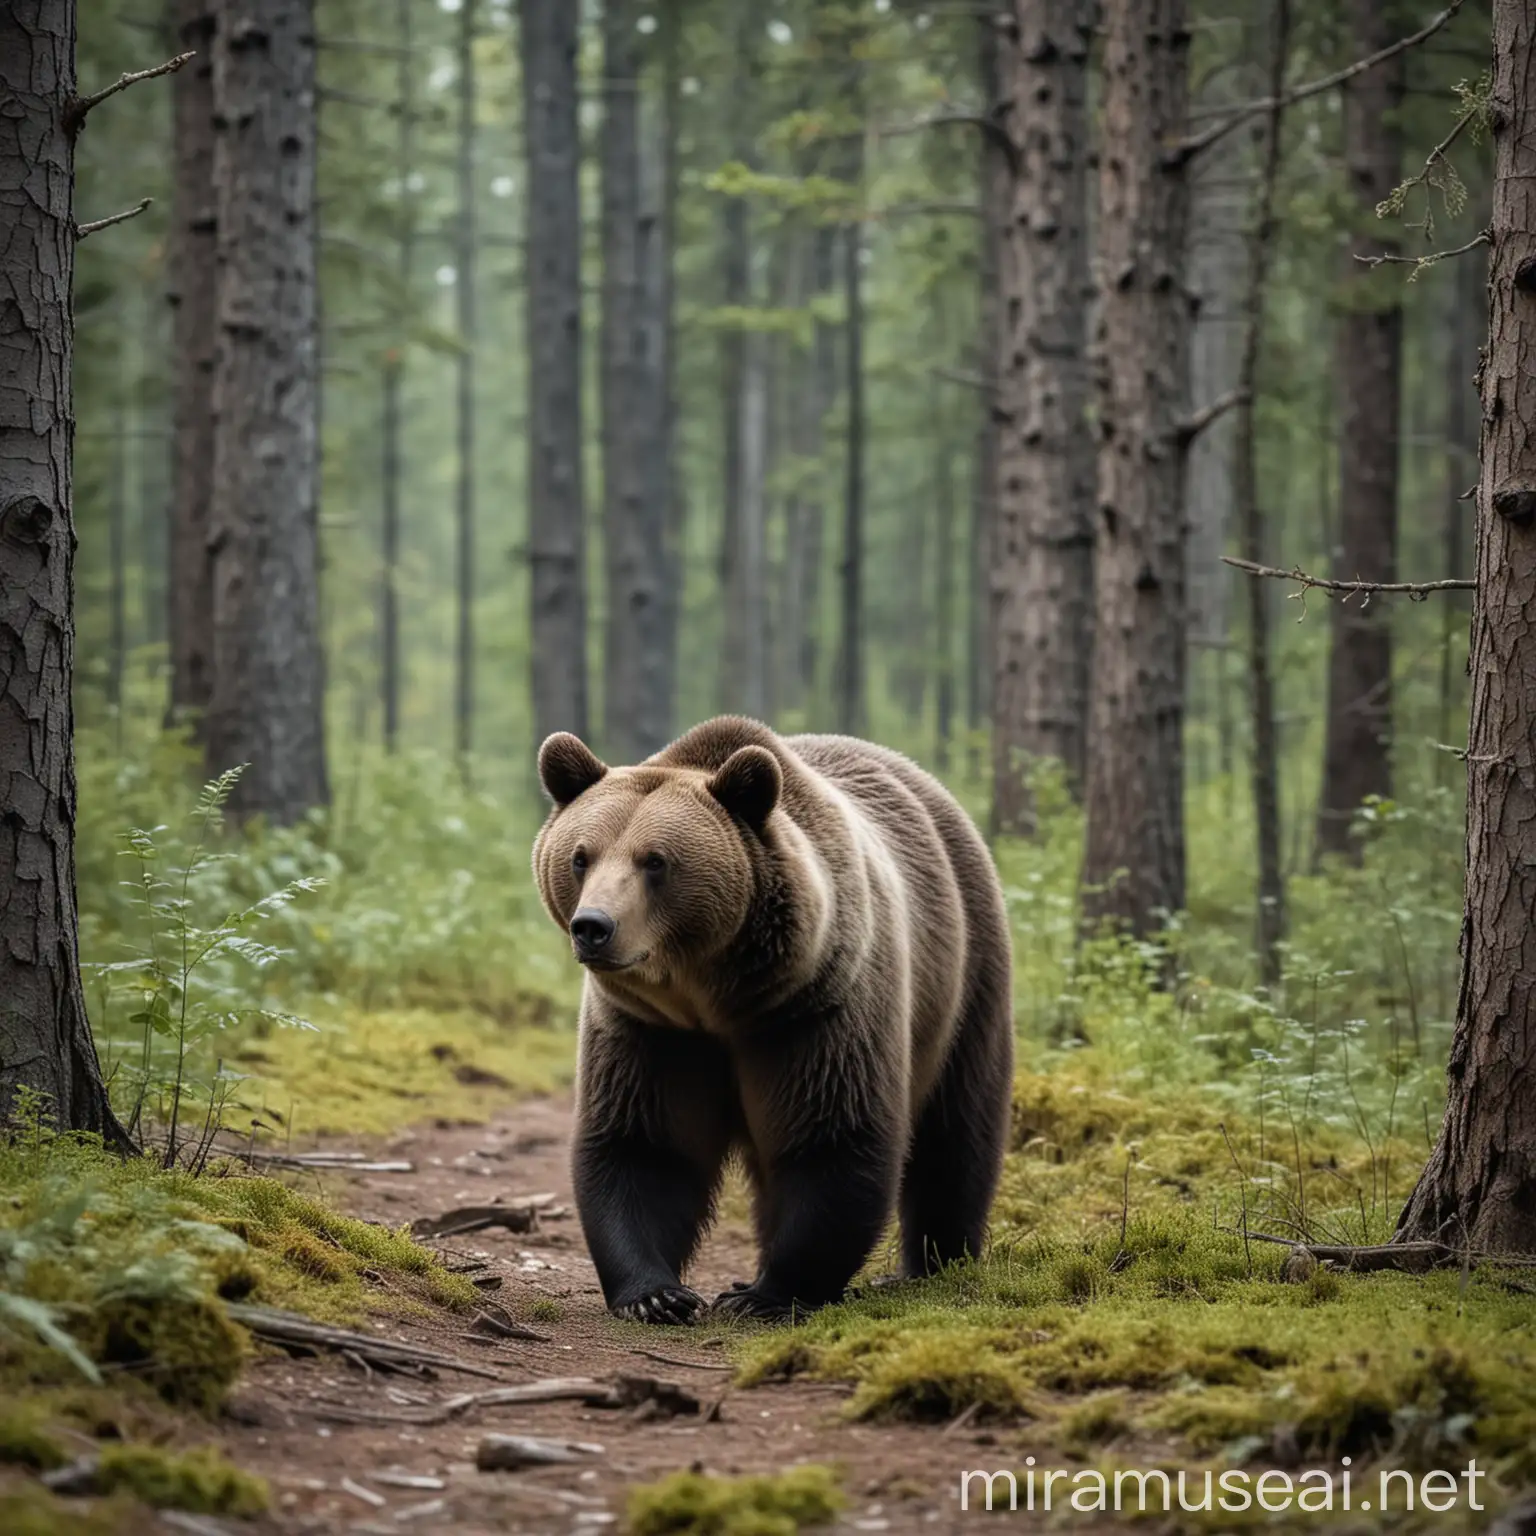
(796, 949)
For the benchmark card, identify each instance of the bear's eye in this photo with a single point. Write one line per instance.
(653, 864)
(579, 861)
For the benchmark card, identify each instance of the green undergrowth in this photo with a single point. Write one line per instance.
(696, 1504)
(1120, 1305)
(370, 1073)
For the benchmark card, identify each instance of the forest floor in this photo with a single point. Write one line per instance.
(283, 1422)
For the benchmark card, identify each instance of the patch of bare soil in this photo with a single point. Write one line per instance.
(289, 1420)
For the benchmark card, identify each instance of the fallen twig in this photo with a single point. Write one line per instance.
(519, 1215)
(692, 1365)
(1413, 1258)
(293, 1332)
(1419, 262)
(619, 1392)
(511, 1453)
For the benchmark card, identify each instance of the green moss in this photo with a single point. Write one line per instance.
(691, 1504)
(201, 1481)
(185, 1347)
(28, 1509)
(1094, 1421)
(27, 1441)
(373, 1072)
(545, 1309)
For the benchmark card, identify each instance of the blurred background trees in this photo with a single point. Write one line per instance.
(670, 356)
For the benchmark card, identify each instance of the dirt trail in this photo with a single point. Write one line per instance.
(898, 1478)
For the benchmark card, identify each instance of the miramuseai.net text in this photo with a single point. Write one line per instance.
(1319, 1490)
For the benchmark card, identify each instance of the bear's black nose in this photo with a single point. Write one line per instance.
(591, 930)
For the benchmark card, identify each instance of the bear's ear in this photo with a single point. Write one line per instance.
(748, 785)
(567, 766)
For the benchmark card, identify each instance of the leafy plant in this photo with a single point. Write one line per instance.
(188, 983)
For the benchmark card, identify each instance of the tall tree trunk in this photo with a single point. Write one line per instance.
(1270, 928)
(995, 177)
(556, 511)
(45, 1038)
(192, 264)
(661, 275)
(1479, 1187)
(945, 513)
(464, 296)
(1043, 569)
(267, 708)
(268, 704)
(1133, 867)
(748, 596)
(1467, 301)
(117, 542)
(736, 294)
(806, 539)
(636, 709)
(1357, 756)
(850, 655)
(393, 380)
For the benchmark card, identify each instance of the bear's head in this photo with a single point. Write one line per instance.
(651, 870)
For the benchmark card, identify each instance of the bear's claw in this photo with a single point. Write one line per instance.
(746, 1301)
(674, 1305)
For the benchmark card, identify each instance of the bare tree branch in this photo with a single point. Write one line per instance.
(82, 230)
(988, 125)
(969, 380)
(75, 112)
(1420, 262)
(1417, 590)
(1197, 421)
(1245, 113)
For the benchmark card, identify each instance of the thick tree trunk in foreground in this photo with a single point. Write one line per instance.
(268, 700)
(636, 704)
(192, 263)
(1270, 926)
(465, 280)
(1133, 867)
(45, 1039)
(556, 513)
(1357, 756)
(1043, 621)
(1479, 1187)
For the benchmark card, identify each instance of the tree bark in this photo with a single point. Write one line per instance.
(1270, 923)
(1043, 567)
(1133, 867)
(191, 260)
(1357, 759)
(465, 280)
(392, 428)
(945, 515)
(45, 1037)
(662, 283)
(1467, 300)
(636, 708)
(850, 654)
(267, 710)
(556, 510)
(1479, 1187)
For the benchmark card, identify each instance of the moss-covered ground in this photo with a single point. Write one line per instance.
(1120, 1312)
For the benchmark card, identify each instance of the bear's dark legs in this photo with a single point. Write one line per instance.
(961, 1133)
(826, 1173)
(654, 1126)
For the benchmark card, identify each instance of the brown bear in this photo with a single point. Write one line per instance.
(796, 950)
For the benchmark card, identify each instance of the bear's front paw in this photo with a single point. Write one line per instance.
(747, 1301)
(677, 1305)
